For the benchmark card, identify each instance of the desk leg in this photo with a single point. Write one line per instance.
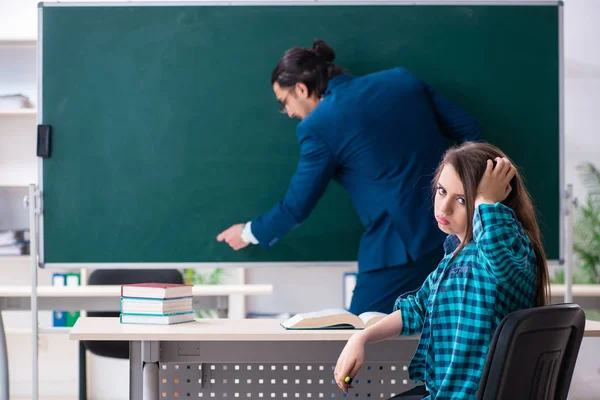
(82, 372)
(3, 363)
(150, 381)
(135, 370)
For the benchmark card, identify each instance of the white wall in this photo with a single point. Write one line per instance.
(57, 354)
(108, 377)
(298, 289)
(582, 88)
(18, 161)
(18, 19)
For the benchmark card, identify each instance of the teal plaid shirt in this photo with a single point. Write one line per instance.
(461, 303)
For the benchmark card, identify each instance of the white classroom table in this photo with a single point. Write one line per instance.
(576, 290)
(250, 358)
(102, 298)
(107, 297)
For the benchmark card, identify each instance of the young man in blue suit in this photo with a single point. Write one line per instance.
(381, 137)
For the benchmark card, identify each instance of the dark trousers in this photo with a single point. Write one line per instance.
(378, 290)
(416, 393)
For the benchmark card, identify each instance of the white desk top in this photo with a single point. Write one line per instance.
(592, 328)
(115, 290)
(201, 329)
(219, 330)
(577, 290)
(210, 290)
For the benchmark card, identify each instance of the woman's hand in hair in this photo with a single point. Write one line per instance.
(495, 183)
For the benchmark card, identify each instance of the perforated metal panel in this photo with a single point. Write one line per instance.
(277, 381)
(262, 373)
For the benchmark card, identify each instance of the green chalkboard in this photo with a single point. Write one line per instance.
(166, 131)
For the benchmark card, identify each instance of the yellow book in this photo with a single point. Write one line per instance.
(333, 318)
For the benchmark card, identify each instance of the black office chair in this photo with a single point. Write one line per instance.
(531, 357)
(117, 349)
(533, 354)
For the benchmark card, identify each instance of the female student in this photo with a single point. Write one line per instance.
(493, 266)
(380, 136)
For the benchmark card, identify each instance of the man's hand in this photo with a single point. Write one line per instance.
(233, 237)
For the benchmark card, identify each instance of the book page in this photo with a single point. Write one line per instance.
(324, 313)
(322, 319)
(371, 317)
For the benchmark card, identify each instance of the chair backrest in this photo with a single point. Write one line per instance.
(120, 349)
(533, 354)
(128, 276)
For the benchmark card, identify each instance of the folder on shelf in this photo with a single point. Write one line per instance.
(59, 318)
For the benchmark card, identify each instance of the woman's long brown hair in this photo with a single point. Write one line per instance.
(469, 160)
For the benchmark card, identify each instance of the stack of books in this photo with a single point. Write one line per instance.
(14, 242)
(156, 303)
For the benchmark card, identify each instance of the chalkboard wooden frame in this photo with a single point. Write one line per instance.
(293, 3)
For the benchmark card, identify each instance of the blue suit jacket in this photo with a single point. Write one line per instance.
(381, 137)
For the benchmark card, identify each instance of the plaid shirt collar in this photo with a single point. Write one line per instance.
(451, 243)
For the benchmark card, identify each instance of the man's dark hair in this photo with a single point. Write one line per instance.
(313, 67)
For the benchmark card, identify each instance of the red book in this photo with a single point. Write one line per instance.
(156, 290)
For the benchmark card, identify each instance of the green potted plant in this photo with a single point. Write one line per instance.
(194, 277)
(586, 234)
(586, 227)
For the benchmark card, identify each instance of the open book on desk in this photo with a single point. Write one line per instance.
(333, 318)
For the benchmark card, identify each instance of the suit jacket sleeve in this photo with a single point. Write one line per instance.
(454, 122)
(315, 169)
